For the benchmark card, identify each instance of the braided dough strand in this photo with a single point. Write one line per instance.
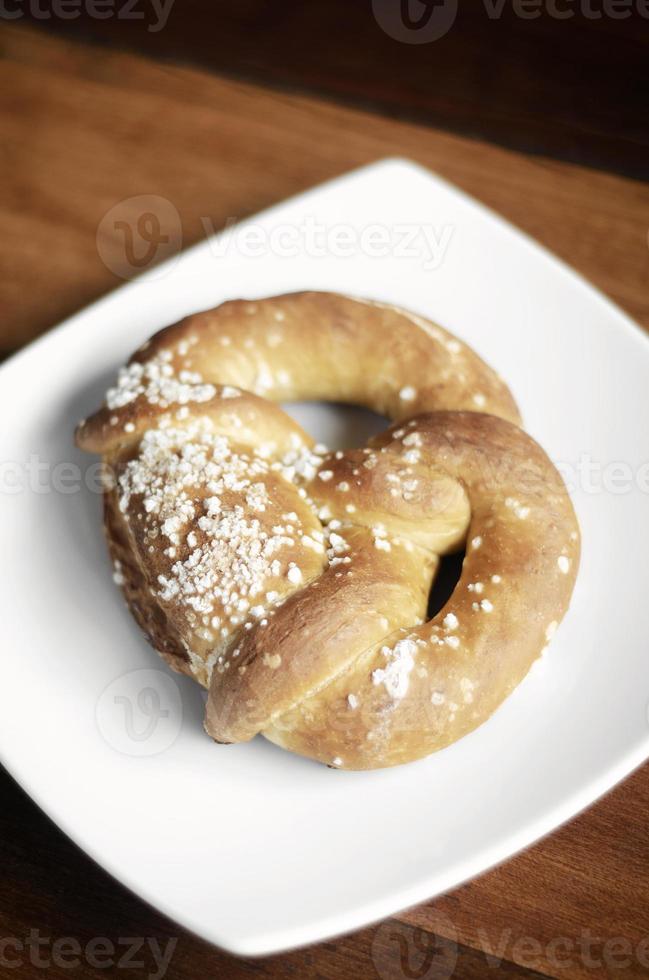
(294, 583)
(421, 687)
(314, 346)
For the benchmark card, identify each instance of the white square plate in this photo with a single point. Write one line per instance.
(250, 847)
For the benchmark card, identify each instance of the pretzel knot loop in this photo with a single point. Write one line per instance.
(294, 582)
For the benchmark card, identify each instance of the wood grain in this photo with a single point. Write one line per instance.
(574, 87)
(587, 883)
(585, 888)
(83, 129)
(51, 887)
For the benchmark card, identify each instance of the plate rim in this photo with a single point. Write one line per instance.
(257, 943)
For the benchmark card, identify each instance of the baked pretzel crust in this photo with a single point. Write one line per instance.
(292, 582)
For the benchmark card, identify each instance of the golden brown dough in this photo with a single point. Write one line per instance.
(294, 583)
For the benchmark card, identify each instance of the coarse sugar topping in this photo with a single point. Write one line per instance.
(158, 383)
(400, 660)
(221, 515)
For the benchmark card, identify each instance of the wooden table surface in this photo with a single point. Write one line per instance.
(84, 128)
(576, 87)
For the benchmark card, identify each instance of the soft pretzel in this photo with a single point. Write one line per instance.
(294, 583)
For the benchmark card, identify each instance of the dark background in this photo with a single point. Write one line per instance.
(575, 88)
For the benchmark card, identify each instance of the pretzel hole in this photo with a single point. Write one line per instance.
(448, 575)
(337, 425)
